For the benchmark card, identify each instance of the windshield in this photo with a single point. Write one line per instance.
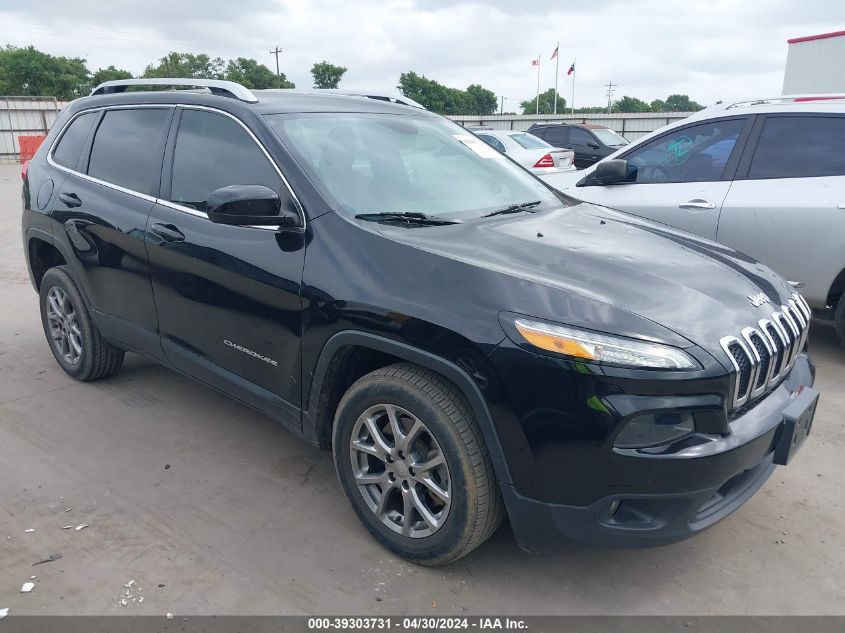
(377, 163)
(529, 141)
(609, 137)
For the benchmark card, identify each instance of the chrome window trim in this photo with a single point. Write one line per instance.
(167, 203)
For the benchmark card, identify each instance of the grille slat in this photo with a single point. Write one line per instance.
(762, 357)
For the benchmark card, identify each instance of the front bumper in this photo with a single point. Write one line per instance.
(659, 498)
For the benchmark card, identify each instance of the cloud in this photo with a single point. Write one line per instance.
(709, 49)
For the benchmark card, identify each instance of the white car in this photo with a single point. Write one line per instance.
(531, 152)
(766, 177)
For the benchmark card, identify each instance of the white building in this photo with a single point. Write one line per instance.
(815, 64)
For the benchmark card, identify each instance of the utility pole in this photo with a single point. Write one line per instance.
(610, 89)
(278, 74)
(502, 107)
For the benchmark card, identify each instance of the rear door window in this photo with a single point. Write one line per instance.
(127, 148)
(70, 145)
(493, 142)
(214, 151)
(800, 147)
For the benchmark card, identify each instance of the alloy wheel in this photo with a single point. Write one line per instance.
(400, 470)
(64, 326)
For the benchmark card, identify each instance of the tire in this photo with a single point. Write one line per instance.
(75, 341)
(435, 423)
(839, 320)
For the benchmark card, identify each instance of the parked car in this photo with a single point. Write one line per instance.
(589, 141)
(467, 341)
(531, 152)
(766, 177)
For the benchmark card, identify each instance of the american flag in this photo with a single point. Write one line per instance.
(535, 62)
(555, 53)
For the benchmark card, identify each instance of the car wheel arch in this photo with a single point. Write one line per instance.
(318, 418)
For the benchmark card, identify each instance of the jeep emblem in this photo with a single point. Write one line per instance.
(758, 299)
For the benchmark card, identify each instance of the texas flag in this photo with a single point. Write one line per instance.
(535, 62)
(555, 53)
(571, 69)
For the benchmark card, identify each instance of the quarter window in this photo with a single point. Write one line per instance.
(697, 153)
(800, 147)
(555, 135)
(127, 148)
(70, 146)
(213, 151)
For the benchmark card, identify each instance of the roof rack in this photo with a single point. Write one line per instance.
(217, 87)
(389, 97)
(786, 99)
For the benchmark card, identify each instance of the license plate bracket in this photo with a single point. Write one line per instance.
(797, 422)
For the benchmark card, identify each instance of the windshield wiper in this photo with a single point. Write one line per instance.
(406, 217)
(514, 208)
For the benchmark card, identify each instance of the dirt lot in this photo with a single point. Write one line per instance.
(214, 509)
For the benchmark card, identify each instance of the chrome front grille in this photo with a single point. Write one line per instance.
(762, 356)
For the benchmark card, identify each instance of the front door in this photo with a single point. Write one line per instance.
(679, 178)
(228, 297)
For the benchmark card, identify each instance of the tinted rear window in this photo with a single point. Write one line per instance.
(800, 147)
(529, 141)
(73, 140)
(127, 148)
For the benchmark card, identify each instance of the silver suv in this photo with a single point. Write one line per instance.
(766, 177)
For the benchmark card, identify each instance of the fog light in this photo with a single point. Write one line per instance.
(654, 429)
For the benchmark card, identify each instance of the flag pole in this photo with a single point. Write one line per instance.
(572, 104)
(538, 83)
(557, 68)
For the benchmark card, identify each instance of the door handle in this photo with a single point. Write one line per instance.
(70, 199)
(697, 203)
(168, 232)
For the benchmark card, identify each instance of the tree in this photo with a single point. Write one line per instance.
(631, 104)
(187, 65)
(327, 75)
(250, 73)
(436, 97)
(483, 100)
(547, 103)
(28, 71)
(682, 103)
(658, 105)
(109, 74)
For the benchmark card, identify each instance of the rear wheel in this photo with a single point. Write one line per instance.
(75, 341)
(413, 463)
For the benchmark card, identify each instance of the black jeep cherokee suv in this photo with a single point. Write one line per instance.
(468, 342)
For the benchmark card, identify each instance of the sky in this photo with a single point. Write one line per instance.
(709, 49)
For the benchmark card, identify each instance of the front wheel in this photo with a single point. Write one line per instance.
(412, 461)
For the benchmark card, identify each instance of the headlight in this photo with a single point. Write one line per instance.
(603, 348)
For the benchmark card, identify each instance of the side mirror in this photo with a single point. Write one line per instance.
(607, 172)
(249, 205)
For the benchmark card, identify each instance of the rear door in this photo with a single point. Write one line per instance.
(102, 207)
(227, 296)
(786, 206)
(679, 178)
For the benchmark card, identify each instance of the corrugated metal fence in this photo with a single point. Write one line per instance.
(24, 116)
(630, 125)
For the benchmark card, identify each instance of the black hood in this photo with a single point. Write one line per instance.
(696, 288)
